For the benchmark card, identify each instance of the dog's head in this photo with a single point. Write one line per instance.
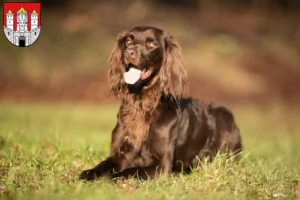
(157, 57)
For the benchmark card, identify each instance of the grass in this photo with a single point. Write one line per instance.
(43, 148)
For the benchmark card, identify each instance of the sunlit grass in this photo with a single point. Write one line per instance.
(43, 149)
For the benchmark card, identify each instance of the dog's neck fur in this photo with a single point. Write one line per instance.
(137, 112)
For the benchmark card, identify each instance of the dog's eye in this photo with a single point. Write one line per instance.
(150, 44)
(128, 42)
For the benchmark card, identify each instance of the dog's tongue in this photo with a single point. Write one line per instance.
(145, 74)
(132, 76)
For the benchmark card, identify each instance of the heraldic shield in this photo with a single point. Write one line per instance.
(22, 22)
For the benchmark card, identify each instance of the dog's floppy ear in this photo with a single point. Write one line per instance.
(173, 75)
(116, 67)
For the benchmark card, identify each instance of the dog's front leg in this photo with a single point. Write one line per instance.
(102, 169)
(106, 167)
(142, 173)
(148, 172)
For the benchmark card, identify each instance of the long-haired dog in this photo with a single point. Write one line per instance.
(157, 130)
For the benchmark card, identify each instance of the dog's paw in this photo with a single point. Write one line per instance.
(88, 175)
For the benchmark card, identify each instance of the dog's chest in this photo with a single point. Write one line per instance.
(132, 156)
(134, 126)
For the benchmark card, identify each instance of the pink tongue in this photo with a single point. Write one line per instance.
(145, 74)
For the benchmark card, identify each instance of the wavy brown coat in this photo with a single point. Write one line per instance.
(158, 131)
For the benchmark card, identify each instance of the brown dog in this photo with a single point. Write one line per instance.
(156, 129)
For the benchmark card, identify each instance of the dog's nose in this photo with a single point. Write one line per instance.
(130, 54)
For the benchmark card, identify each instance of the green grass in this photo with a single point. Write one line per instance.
(43, 148)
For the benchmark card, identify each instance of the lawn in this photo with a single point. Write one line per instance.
(43, 148)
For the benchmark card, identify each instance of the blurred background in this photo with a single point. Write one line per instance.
(236, 51)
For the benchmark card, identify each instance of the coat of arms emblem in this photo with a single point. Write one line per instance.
(22, 22)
